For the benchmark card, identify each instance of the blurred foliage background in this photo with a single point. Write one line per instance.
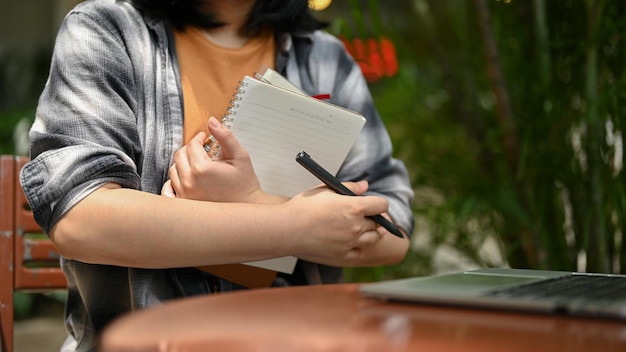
(510, 117)
(508, 113)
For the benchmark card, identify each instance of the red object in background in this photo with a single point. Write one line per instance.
(390, 58)
(376, 58)
(358, 48)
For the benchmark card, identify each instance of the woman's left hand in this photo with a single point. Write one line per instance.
(194, 175)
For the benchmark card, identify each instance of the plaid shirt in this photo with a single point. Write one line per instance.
(111, 111)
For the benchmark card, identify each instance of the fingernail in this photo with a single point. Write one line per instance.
(213, 122)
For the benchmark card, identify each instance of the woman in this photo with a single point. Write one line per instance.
(127, 107)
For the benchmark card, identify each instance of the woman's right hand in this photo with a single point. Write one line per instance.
(334, 229)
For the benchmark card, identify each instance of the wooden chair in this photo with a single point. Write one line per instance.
(28, 259)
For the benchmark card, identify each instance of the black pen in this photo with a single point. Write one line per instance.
(333, 183)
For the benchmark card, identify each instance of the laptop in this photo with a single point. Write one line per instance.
(540, 291)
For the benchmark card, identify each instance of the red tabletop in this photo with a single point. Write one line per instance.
(338, 318)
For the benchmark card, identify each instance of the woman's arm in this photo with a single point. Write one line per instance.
(232, 179)
(125, 227)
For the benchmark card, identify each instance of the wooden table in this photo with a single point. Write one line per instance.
(337, 318)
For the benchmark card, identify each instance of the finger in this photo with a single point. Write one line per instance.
(381, 231)
(167, 190)
(373, 205)
(368, 238)
(174, 180)
(181, 162)
(358, 188)
(195, 149)
(231, 149)
(355, 253)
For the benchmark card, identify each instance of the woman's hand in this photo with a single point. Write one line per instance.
(322, 226)
(231, 179)
(336, 229)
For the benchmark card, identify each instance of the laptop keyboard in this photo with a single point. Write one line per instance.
(577, 286)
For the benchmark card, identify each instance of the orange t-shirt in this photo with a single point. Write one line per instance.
(210, 74)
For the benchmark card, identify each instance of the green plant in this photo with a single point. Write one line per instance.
(509, 115)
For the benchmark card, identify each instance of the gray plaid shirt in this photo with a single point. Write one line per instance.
(111, 111)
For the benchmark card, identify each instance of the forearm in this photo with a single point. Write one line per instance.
(125, 227)
(130, 228)
(388, 250)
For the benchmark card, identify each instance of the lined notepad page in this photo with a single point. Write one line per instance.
(274, 124)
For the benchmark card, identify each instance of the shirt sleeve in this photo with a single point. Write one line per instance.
(85, 132)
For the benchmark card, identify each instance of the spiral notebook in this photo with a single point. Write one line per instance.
(274, 124)
(274, 121)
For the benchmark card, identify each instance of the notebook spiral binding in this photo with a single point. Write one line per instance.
(212, 146)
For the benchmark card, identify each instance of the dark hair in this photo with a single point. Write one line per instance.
(280, 15)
